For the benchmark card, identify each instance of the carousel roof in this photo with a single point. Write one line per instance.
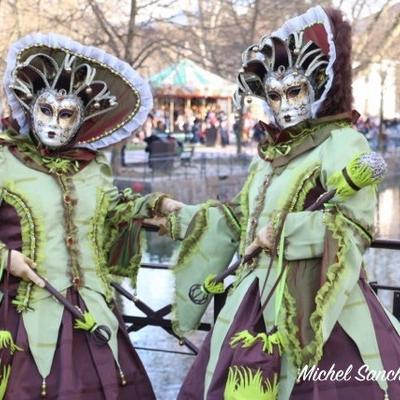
(187, 79)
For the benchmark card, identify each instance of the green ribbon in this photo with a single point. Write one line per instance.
(281, 286)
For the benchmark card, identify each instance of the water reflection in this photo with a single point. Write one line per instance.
(388, 211)
(167, 370)
(383, 266)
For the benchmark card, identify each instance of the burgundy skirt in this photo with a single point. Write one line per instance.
(81, 370)
(339, 351)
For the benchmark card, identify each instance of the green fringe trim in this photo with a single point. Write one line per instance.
(7, 342)
(244, 337)
(5, 375)
(195, 230)
(124, 210)
(231, 220)
(60, 165)
(154, 205)
(299, 188)
(308, 182)
(272, 151)
(244, 384)
(173, 225)
(86, 322)
(312, 353)
(97, 236)
(131, 271)
(32, 240)
(210, 286)
(246, 340)
(244, 207)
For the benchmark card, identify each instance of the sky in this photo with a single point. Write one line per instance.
(174, 9)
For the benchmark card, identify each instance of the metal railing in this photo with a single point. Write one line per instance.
(157, 317)
(184, 166)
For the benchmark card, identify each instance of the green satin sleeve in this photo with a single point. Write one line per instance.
(211, 239)
(304, 230)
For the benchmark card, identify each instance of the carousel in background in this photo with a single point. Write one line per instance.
(185, 93)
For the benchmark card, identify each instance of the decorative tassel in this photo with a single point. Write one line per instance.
(44, 388)
(247, 340)
(4, 380)
(275, 338)
(210, 286)
(243, 383)
(7, 342)
(86, 322)
(386, 396)
(244, 337)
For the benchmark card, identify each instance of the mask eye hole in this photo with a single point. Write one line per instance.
(293, 92)
(66, 114)
(274, 96)
(46, 109)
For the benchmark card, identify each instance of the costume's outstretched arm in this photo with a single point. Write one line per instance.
(123, 224)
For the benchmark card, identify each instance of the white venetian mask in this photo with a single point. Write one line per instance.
(56, 117)
(289, 95)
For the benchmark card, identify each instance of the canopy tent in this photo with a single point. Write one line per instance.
(187, 82)
(186, 79)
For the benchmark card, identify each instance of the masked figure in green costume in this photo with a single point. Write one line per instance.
(325, 312)
(61, 216)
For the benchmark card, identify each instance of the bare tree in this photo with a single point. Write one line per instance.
(147, 35)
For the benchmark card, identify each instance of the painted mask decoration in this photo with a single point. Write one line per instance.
(56, 117)
(289, 95)
(290, 69)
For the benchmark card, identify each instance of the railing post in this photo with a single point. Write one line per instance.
(396, 304)
(374, 286)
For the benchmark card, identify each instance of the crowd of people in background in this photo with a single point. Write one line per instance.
(381, 137)
(210, 126)
(213, 126)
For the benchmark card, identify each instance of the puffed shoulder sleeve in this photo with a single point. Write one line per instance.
(305, 230)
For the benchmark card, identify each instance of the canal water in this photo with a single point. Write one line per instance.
(155, 287)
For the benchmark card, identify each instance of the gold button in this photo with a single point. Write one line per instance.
(70, 241)
(76, 281)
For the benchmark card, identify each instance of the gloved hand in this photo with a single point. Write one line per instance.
(170, 205)
(159, 221)
(265, 238)
(22, 267)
